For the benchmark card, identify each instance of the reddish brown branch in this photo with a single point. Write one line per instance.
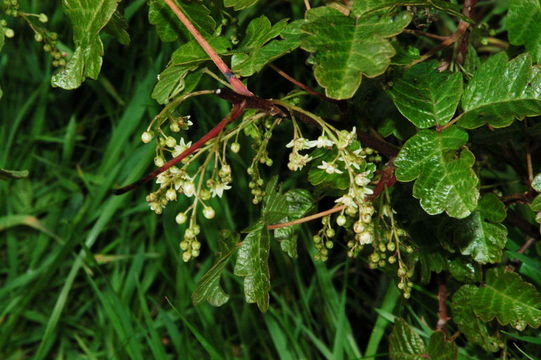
(442, 307)
(307, 218)
(237, 85)
(236, 111)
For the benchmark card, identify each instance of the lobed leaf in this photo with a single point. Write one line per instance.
(509, 299)
(345, 48)
(88, 18)
(425, 96)
(171, 82)
(257, 50)
(208, 287)
(444, 183)
(501, 91)
(468, 323)
(361, 7)
(523, 23)
(404, 343)
(441, 349)
(252, 264)
(118, 27)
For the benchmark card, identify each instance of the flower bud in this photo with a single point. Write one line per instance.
(209, 212)
(181, 218)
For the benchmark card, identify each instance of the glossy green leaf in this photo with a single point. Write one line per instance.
(191, 53)
(536, 183)
(239, 4)
(535, 205)
(169, 27)
(208, 287)
(252, 264)
(118, 27)
(464, 270)
(361, 7)
(479, 235)
(425, 96)
(346, 48)
(405, 343)
(501, 91)
(523, 22)
(441, 349)
(468, 323)
(171, 83)
(298, 202)
(445, 182)
(492, 208)
(13, 174)
(88, 18)
(257, 50)
(509, 299)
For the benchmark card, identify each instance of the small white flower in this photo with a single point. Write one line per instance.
(299, 144)
(362, 179)
(297, 161)
(321, 142)
(218, 189)
(329, 168)
(346, 200)
(181, 147)
(188, 188)
(171, 195)
(163, 178)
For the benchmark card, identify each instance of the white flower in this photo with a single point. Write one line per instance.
(297, 161)
(163, 178)
(321, 142)
(181, 147)
(188, 188)
(218, 189)
(362, 179)
(346, 200)
(329, 168)
(299, 144)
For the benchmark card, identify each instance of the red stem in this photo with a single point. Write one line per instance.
(237, 85)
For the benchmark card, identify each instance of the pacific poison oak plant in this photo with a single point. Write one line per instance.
(441, 95)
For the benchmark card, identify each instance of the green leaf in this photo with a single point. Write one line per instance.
(361, 7)
(464, 271)
(492, 208)
(346, 48)
(208, 287)
(444, 183)
(252, 264)
(535, 205)
(118, 27)
(169, 27)
(405, 343)
(441, 349)
(468, 323)
(509, 299)
(12, 174)
(502, 91)
(88, 18)
(171, 83)
(536, 183)
(255, 52)
(298, 202)
(523, 22)
(239, 4)
(191, 53)
(425, 96)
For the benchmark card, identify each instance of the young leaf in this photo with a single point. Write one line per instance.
(468, 323)
(523, 23)
(88, 19)
(208, 287)
(169, 27)
(256, 52)
(508, 298)
(13, 174)
(441, 349)
(443, 183)
(425, 96)
(298, 203)
(502, 91)
(239, 4)
(405, 343)
(346, 48)
(252, 264)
